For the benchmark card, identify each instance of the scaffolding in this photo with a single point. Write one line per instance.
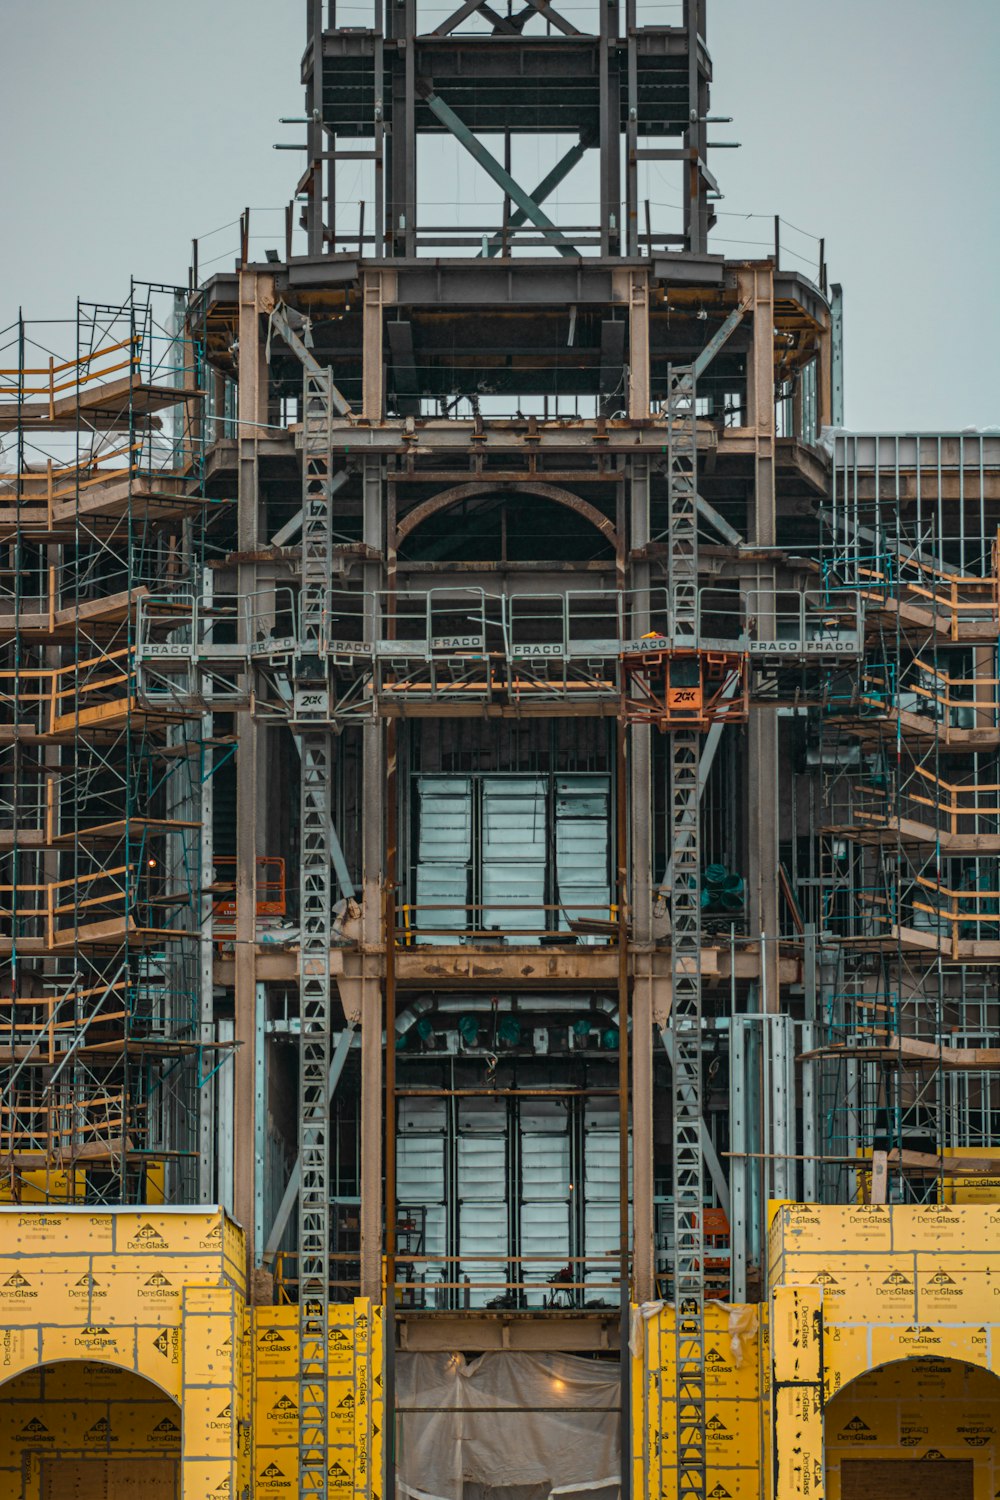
(911, 814)
(101, 497)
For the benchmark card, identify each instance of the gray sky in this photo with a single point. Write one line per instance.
(132, 126)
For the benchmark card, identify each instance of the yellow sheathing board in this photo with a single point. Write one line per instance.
(971, 1189)
(797, 1330)
(35, 1233)
(89, 1297)
(857, 1288)
(733, 1417)
(361, 1401)
(211, 1359)
(80, 1413)
(377, 1357)
(927, 1410)
(846, 1354)
(275, 1471)
(906, 1293)
(939, 1228)
(732, 1484)
(276, 1414)
(356, 1402)
(798, 1442)
(275, 1343)
(42, 1186)
(808, 1227)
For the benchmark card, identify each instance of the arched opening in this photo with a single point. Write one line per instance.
(924, 1428)
(506, 523)
(89, 1430)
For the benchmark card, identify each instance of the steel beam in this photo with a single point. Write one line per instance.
(280, 324)
(293, 525)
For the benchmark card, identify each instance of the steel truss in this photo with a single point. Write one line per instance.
(685, 955)
(311, 713)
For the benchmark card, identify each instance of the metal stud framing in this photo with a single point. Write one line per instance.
(685, 962)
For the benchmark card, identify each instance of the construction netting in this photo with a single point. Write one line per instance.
(514, 1426)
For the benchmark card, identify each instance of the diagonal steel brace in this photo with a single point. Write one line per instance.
(489, 163)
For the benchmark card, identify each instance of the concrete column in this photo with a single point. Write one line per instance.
(373, 788)
(757, 282)
(373, 935)
(638, 340)
(372, 361)
(640, 911)
(256, 293)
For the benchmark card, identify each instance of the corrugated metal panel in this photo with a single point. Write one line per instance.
(489, 1115)
(545, 1166)
(445, 819)
(445, 886)
(482, 1166)
(444, 849)
(514, 818)
(583, 843)
(422, 1114)
(544, 1232)
(420, 1169)
(482, 1229)
(514, 897)
(549, 1116)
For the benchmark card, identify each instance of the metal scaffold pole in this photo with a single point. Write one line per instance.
(311, 711)
(685, 962)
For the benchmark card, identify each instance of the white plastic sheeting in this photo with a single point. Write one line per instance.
(560, 1434)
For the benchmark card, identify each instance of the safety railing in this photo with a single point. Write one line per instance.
(460, 1282)
(89, 1127)
(93, 692)
(270, 893)
(966, 914)
(194, 652)
(919, 803)
(49, 495)
(465, 644)
(819, 623)
(27, 796)
(520, 923)
(57, 378)
(345, 1276)
(965, 605)
(42, 1025)
(113, 903)
(924, 691)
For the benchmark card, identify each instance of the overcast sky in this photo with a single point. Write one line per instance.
(131, 126)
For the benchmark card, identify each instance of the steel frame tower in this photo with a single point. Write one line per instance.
(414, 383)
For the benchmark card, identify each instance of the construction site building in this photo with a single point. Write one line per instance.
(499, 834)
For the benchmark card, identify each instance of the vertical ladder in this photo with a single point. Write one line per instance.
(685, 955)
(311, 710)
